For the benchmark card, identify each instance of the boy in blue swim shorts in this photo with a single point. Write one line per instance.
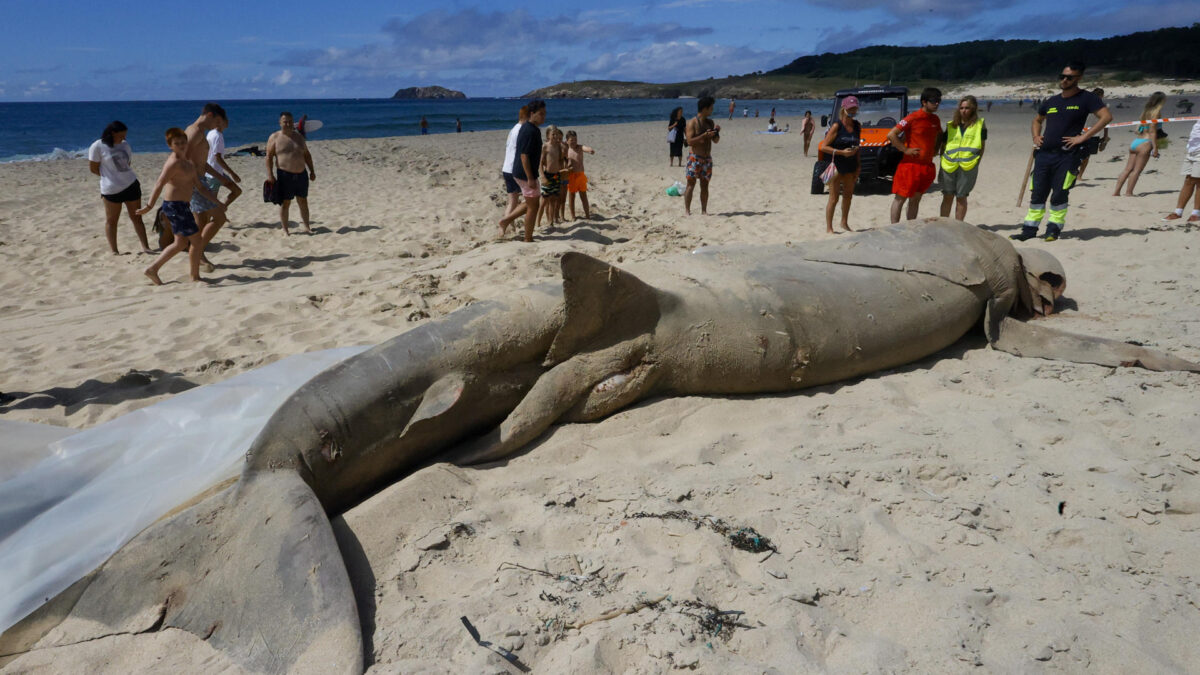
(176, 183)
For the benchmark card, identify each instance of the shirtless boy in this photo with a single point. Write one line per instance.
(551, 163)
(287, 155)
(208, 217)
(701, 132)
(564, 175)
(576, 178)
(178, 180)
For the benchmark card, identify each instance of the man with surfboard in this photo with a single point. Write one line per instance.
(287, 159)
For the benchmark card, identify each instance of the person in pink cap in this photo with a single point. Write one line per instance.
(841, 143)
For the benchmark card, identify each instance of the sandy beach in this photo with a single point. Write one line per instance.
(971, 509)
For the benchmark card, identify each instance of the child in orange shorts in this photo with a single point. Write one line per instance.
(576, 178)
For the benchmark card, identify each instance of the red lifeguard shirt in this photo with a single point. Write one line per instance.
(921, 130)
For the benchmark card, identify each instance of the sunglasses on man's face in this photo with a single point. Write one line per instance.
(1067, 76)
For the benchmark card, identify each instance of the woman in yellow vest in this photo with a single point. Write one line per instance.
(965, 138)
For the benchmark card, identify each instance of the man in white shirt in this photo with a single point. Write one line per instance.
(515, 205)
(218, 169)
(216, 155)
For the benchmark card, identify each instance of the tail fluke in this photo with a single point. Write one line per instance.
(1029, 339)
(254, 570)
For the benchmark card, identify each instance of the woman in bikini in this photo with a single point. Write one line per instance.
(808, 127)
(1143, 146)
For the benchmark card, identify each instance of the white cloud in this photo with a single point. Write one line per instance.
(40, 89)
(284, 77)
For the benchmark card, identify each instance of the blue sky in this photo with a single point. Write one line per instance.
(71, 50)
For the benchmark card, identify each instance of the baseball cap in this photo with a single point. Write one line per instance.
(850, 102)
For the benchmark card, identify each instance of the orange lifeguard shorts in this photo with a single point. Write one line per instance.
(913, 179)
(577, 182)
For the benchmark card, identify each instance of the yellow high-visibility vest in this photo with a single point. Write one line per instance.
(963, 147)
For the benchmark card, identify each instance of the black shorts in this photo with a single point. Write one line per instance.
(291, 185)
(133, 193)
(510, 185)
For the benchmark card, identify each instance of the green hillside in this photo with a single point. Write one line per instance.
(1167, 53)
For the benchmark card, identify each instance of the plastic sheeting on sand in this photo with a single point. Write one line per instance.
(94, 490)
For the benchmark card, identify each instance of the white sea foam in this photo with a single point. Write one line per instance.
(57, 153)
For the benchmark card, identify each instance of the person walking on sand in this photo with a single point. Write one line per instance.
(1191, 179)
(732, 107)
(424, 125)
(701, 132)
(219, 172)
(808, 127)
(111, 158)
(1143, 146)
(915, 173)
(528, 156)
(963, 145)
(1058, 152)
(676, 135)
(178, 180)
(207, 215)
(841, 142)
(287, 158)
(515, 206)
(576, 178)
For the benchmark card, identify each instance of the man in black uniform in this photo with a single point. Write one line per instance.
(1058, 152)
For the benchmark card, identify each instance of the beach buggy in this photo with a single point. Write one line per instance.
(880, 108)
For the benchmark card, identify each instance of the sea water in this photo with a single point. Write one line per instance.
(49, 131)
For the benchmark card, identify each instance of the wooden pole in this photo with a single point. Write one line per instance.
(1025, 180)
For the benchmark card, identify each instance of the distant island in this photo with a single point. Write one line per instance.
(428, 93)
(1166, 53)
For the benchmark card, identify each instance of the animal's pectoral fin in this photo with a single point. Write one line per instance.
(438, 400)
(255, 571)
(556, 392)
(1026, 339)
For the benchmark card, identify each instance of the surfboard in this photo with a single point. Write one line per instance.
(312, 125)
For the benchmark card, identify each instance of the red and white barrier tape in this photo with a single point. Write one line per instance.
(1160, 121)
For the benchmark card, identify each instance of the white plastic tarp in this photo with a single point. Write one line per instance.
(92, 491)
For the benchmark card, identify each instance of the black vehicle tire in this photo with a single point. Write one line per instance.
(818, 186)
(889, 159)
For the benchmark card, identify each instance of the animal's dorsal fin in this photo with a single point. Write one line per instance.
(597, 298)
